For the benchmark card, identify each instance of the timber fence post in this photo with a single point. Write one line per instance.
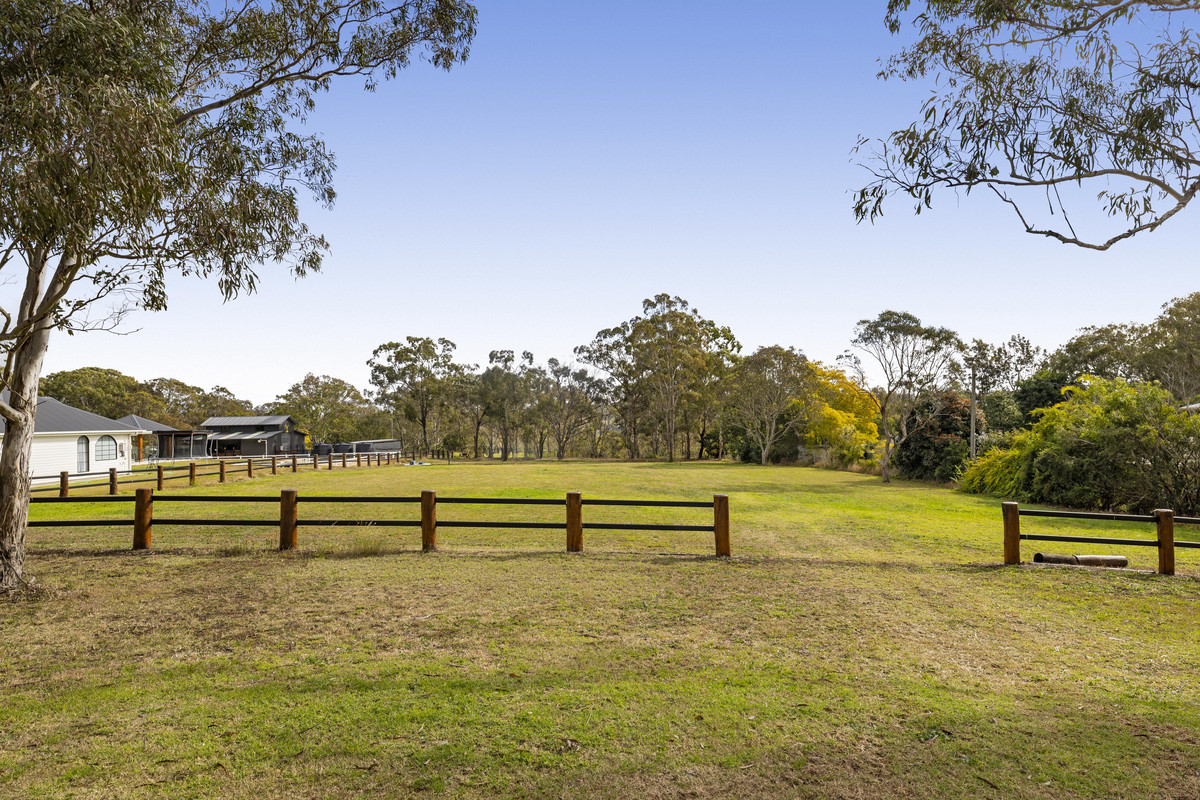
(64, 484)
(274, 465)
(1166, 541)
(112, 480)
(428, 521)
(343, 460)
(221, 471)
(143, 518)
(1012, 532)
(316, 463)
(288, 519)
(249, 467)
(329, 461)
(160, 477)
(295, 463)
(191, 473)
(358, 459)
(721, 524)
(574, 522)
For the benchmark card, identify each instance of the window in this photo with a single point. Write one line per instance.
(106, 448)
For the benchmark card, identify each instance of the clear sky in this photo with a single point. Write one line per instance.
(590, 155)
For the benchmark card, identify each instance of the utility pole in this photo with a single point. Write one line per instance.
(972, 411)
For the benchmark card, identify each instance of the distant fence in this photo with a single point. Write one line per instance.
(222, 468)
(1163, 518)
(290, 520)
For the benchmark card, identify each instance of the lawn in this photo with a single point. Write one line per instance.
(863, 642)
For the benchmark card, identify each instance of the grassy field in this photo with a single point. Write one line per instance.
(863, 642)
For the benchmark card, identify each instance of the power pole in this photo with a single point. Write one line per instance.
(972, 411)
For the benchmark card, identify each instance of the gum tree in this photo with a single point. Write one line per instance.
(139, 138)
(414, 374)
(675, 347)
(1050, 105)
(771, 392)
(916, 362)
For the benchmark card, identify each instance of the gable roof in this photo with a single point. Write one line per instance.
(54, 416)
(143, 424)
(220, 422)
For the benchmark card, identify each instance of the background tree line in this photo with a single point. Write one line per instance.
(670, 383)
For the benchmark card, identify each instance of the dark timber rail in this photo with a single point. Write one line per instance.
(290, 520)
(222, 468)
(1164, 520)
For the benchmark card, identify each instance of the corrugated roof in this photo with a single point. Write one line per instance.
(222, 422)
(237, 436)
(143, 424)
(54, 416)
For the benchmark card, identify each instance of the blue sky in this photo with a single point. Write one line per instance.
(590, 155)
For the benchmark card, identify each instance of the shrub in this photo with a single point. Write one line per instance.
(938, 450)
(1110, 445)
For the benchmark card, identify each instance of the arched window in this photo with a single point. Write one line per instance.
(106, 448)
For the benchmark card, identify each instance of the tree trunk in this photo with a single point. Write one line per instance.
(15, 457)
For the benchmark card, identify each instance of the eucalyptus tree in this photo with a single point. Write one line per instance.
(570, 398)
(505, 394)
(1170, 348)
(771, 392)
(328, 409)
(106, 392)
(185, 406)
(673, 345)
(138, 138)
(1048, 104)
(611, 351)
(414, 374)
(466, 395)
(535, 422)
(916, 363)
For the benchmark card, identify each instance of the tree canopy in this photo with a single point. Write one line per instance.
(916, 362)
(139, 138)
(1048, 104)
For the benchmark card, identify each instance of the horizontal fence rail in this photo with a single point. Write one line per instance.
(222, 468)
(1164, 520)
(290, 521)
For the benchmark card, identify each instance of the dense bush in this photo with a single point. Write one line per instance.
(1002, 411)
(1041, 390)
(938, 450)
(1109, 445)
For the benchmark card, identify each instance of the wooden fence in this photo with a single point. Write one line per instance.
(290, 520)
(1163, 518)
(222, 468)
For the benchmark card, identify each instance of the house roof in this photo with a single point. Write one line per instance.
(143, 424)
(54, 416)
(223, 422)
(236, 436)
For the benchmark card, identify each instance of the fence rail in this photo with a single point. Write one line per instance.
(1164, 520)
(290, 521)
(222, 468)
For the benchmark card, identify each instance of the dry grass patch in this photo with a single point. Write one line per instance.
(862, 643)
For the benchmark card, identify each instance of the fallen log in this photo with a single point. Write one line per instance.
(1084, 561)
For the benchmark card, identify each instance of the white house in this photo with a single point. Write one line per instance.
(77, 441)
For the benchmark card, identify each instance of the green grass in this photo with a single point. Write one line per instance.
(863, 642)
